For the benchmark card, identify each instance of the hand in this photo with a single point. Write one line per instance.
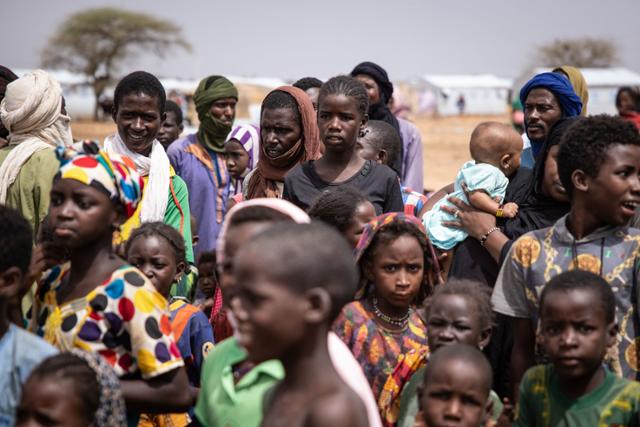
(510, 210)
(508, 414)
(474, 222)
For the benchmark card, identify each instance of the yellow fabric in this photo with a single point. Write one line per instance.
(579, 85)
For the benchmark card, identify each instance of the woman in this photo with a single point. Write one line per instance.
(578, 83)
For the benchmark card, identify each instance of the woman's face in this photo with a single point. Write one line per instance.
(371, 86)
(551, 185)
(626, 103)
(280, 130)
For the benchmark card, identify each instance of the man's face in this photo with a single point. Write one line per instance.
(541, 112)
(138, 118)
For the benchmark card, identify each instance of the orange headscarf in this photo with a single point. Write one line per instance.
(270, 171)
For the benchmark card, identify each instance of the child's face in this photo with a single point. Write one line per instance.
(155, 258)
(207, 278)
(364, 213)
(279, 131)
(397, 270)
(454, 319)
(614, 193)
(313, 93)
(340, 122)
(169, 130)
(575, 333)
(138, 118)
(455, 394)
(366, 148)
(626, 103)
(80, 214)
(236, 158)
(50, 402)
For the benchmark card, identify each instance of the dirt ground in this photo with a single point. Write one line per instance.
(445, 143)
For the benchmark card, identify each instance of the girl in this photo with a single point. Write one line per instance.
(382, 327)
(346, 209)
(288, 136)
(96, 301)
(75, 389)
(241, 151)
(342, 117)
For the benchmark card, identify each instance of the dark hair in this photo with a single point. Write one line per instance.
(140, 82)
(278, 99)
(581, 280)
(308, 83)
(172, 107)
(463, 352)
(336, 206)
(475, 293)
(207, 256)
(16, 240)
(585, 144)
(348, 86)
(170, 234)
(633, 92)
(386, 138)
(257, 214)
(315, 252)
(387, 234)
(70, 367)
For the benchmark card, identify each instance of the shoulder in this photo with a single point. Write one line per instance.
(31, 348)
(527, 248)
(178, 145)
(537, 378)
(355, 312)
(297, 171)
(382, 172)
(342, 408)
(127, 282)
(178, 184)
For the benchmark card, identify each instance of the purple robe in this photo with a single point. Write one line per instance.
(412, 175)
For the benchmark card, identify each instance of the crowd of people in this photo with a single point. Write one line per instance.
(292, 272)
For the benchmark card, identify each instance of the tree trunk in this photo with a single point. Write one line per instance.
(97, 91)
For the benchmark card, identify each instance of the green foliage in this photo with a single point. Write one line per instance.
(581, 53)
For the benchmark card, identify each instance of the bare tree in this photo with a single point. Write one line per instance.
(581, 53)
(97, 41)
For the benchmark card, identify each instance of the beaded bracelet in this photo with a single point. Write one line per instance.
(485, 236)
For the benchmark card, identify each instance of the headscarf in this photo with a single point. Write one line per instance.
(156, 167)
(249, 138)
(31, 112)
(111, 410)
(6, 77)
(578, 83)
(380, 110)
(114, 175)
(270, 171)
(371, 230)
(212, 131)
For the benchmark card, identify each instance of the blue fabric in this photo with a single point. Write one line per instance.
(561, 88)
(481, 176)
(527, 159)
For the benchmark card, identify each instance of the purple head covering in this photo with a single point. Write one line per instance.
(249, 138)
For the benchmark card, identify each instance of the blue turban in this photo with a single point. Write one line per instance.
(560, 86)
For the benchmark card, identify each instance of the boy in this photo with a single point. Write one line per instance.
(381, 143)
(20, 351)
(598, 163)
(577, 326)
(456, 387)
(171, 126)
(283, 317)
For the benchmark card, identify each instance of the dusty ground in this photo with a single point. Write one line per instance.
(445, 143)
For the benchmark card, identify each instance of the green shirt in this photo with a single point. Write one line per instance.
(222, 403)
(615, 403)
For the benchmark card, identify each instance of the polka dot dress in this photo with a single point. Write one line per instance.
(125, 320)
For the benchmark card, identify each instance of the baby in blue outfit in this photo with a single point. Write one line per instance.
(495, 149)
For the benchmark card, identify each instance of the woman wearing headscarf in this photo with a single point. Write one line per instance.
(33, 114)
(546, 98)
(6, 77)
(199, 158)
(289, 135)
(578, 83)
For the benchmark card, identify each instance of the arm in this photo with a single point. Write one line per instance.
(433, 199)
(202, 340)
(482, 201)
(393, 201)
(178, 214)
(169, 392)
(522, 352)
(413, 173)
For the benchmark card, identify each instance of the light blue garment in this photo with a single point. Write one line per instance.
(20, 352)
(526, 159)
(481, 176)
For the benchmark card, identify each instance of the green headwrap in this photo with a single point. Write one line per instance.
(212, 131)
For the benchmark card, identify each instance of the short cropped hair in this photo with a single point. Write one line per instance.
(462, 352)
(349, 87)
(386, 138)
(140, 82)
(278, 99)
(476, 293)
(306, 256)
(306, 83)
(585, 144)
(337, 206)
(172, 107)
(16, 240)
(582, 280)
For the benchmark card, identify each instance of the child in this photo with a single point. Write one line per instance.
(495, 149)
(598, 162)
(281, 317)
(96, 301)
(72, 389)
(382, 327)
(241, 151)
(577, 327)
(171, 126)
(456, 387)
(342, 116)
(381, 143)
(20, 351)
(346, 209)
(207, 282)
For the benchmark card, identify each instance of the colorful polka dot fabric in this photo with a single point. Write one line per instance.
(125, 320)
(111, 173)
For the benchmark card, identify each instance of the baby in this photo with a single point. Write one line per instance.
(495, 149)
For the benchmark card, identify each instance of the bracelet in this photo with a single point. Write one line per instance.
(485, 236)
(500, 211)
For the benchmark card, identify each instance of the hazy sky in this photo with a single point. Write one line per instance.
(295, 38)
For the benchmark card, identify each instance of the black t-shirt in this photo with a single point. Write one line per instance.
(379, 183)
